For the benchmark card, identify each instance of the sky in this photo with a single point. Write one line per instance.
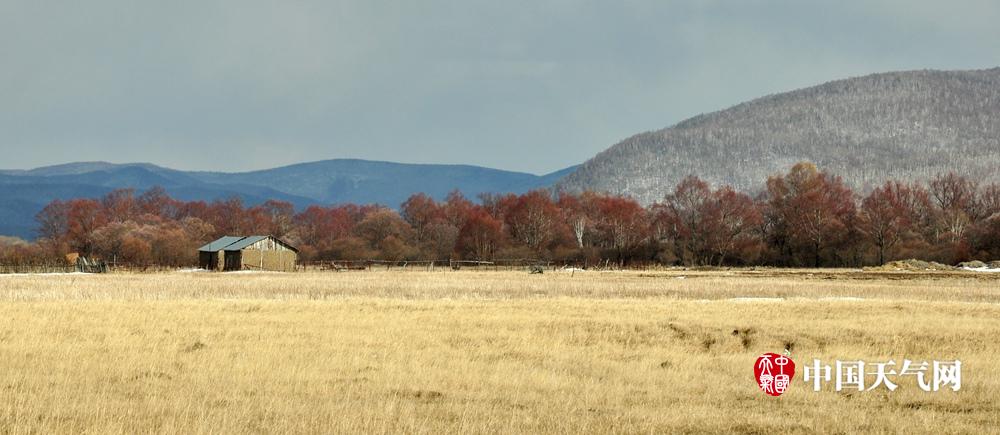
(532, 86)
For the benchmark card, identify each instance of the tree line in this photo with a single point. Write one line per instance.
(805, 217)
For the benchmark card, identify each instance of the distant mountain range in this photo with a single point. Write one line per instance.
(25, 192)
(900, 125)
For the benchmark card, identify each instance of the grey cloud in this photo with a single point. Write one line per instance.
(532, 86)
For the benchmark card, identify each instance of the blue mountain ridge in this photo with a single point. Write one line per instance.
(23, 193)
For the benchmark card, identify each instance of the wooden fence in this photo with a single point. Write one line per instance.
(80, 264)
(56, 267)
(494, 265)
(348, 265)
(37, 268)
(335, 266)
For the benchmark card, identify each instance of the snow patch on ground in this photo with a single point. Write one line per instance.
(827, 299)
(45, 274)
(192, 270)
(252, 271)
(982, 269)
(757, 299)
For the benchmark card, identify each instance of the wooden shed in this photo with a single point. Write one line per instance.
(248, 253)
(212, 255)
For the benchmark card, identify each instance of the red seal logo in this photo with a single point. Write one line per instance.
(773, 373)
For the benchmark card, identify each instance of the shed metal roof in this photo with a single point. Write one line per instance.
(220, 244)
(246, 241)
(232, 243)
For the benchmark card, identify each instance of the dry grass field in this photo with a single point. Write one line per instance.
(486, 352)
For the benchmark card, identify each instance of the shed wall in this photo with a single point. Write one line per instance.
(211, 260)
(232, 260)
(280, 260)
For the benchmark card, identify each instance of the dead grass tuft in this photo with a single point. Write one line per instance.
(196, 346)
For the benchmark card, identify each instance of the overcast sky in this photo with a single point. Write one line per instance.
(532, 86)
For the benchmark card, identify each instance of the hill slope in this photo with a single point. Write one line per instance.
(363, 181)
(25, 192)
(904, 125)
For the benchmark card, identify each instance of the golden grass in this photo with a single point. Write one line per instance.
(484, 352)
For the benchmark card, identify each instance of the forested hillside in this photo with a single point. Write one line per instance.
(907, 126)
